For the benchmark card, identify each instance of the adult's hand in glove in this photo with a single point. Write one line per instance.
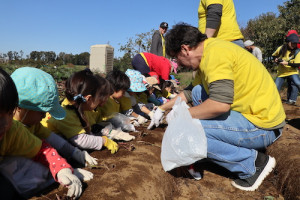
(83, 174)
(84, 157)
(120, 135)
(110, 145)
(66, 178)
(141, 119)
(151, 114)
(157, 117)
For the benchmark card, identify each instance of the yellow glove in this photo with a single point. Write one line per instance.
(111, 145)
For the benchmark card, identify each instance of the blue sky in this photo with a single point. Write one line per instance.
(72, 26)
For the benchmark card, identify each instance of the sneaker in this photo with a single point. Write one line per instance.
(290, 102)
(196, 175)
(264, 165)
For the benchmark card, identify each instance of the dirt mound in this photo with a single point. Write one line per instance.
(287, 153)
(138, 174)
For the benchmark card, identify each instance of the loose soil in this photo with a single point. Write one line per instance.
(138, 174)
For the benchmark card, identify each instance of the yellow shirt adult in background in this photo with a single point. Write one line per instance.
(255, 94)
(70, 126)
(229, 29)
(18, 141)
(285, 70)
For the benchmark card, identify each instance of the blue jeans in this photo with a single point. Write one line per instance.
(294, 78)
(292, 91)
(232, 140)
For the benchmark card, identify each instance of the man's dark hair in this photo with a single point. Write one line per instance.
(180, 34)
(8, 93)
(118, 80)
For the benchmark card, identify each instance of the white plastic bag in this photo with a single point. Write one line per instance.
(122, 121)
(184, 141)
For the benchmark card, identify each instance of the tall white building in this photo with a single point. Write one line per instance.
(101, 58)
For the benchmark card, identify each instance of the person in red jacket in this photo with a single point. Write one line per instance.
(152, 65)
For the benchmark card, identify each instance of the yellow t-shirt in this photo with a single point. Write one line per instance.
(197, 79)
(297, 58)
(141, 97)
(109, 109)
(163, 45)
(165, 93)
(39, 130)
(125, 103)
(229, 29)
(113, 106)
(70, 126)
(18, 141)
(285, 70)
(255, 94)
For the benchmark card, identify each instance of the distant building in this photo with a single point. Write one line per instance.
(3, 60)
(101, 58)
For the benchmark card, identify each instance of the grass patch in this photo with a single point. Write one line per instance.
(185, 78)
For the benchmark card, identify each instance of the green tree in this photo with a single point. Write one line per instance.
(289, 13)
(10, 55)
(140, 43)
(123, 63)
(267, 31)
(82, 59)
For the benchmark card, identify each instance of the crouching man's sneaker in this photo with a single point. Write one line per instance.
(196, 175)
(264, 165)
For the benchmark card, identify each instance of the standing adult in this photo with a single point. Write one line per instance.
(286, 56)
(237, 103)
(158, 40)
(292, 90)
(152, 65)
(249, 45)
(218, 19)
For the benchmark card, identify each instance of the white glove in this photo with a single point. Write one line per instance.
(157, 117)
(83, 175)
(120, 135)
(84, 157)
(135, 123)
(151, 115)
(66, 178)
(141, 119)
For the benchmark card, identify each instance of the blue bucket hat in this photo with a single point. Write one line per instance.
(136, 81)
(37, 91)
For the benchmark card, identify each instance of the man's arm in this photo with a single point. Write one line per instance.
(213, 19)
(209, 109)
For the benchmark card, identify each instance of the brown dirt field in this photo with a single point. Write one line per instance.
(138, 174)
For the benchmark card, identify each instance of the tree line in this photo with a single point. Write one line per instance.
(45, 58)
(268, 31)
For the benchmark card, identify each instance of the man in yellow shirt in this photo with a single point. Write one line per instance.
(217, 18)
(237, 103)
